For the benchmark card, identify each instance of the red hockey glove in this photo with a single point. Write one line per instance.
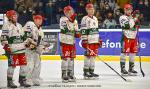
(84, 44)
(77, 35)
(7, 48)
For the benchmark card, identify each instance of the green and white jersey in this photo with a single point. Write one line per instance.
(32, 31)
(89, 29)
(14, 35)
(68, 30)
(35, 33)
(128, 26)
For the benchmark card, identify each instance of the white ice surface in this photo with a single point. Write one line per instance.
(51, 73)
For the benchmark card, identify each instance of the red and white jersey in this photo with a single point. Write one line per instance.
(89, 29)
(131, 34)
(33, 30)
(68, 30)
(13, 33)
(36, 34)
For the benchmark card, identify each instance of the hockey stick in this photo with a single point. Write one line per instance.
(109, 66)
(140, 55)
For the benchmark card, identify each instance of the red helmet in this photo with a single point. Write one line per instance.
(10, 13)
(67, 8)
(38, 17)
(89, 5)
(128, 6)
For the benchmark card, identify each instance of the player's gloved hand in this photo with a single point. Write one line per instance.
(100, 43)
(73, 17)
(134, 28)
(77, 34)
(32, 46)
(84, 44)
(126, 26)
(7, 48)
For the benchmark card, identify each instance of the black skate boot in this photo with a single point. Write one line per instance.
(131, 70)
(87, 74)
(123, 70)
(93, 74)
(10, 83)
(71, 76)
(65, 77)
(22, 81)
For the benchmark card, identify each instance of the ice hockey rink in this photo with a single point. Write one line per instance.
(51, 73)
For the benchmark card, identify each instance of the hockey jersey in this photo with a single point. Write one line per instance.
(68, 30)
(13, 35)
(89, 29)
(128, 26)
(35, 33)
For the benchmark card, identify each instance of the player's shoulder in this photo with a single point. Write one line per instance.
(75, 21)
(30, 23)
(63, 18)
(19, 24)
(85, 17)
(7, 24)
(123, 17)
(94, 17)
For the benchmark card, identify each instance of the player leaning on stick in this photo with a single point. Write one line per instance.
(14, 45)
(69, 31)
(129, 40)
(90, 41)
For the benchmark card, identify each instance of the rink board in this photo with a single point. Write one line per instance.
(110, 50)
(81, 57)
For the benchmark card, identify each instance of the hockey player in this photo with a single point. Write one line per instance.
(13, 41)
(35, 46)
(69, 30)
(2, 51)
(129, 40)
(90, 41)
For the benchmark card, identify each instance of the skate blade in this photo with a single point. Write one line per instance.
(9, 88)
(88, 78)
(72, 80)
(22, 87)
(132, 74)
(95, 78)
(124, 74)
(65, 81)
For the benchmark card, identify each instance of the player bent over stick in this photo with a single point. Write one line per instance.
(69, 31)
(35, 46)
(14, 44)
(90, 40)
(129, 40)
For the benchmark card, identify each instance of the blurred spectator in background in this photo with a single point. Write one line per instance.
(117, 14)
(80, 10)
(112, 4)
(101, 8)
(6, 5)
(109, 22)
(143, 6)
(53, 9)
(107, 9)
(25, 10)
(60, 4)
(100, 19)
(121, 3)
(50, 13)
